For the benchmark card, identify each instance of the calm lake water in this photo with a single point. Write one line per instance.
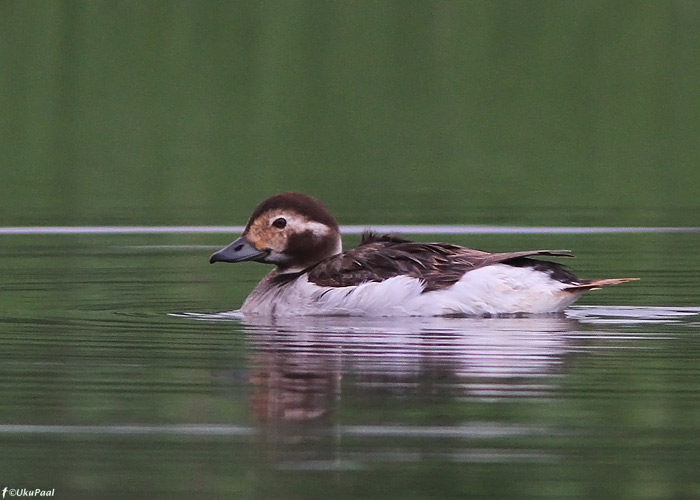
(122, 378)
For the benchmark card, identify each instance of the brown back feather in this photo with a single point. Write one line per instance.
(438, 265)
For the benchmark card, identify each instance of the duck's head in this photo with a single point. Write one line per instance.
(291, 230)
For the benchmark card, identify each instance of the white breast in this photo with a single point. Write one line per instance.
(491, 290)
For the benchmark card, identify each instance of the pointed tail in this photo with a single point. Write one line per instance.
(593, 284)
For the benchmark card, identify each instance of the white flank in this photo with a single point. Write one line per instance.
(493, 290)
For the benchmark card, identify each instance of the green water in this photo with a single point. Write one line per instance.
(119, 378)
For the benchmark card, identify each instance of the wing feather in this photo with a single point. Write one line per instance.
(438, 265)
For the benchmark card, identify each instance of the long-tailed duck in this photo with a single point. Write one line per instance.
(387, 275)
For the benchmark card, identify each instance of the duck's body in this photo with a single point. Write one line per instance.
(387, 275)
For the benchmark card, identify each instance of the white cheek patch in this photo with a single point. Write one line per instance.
(297, 224)
(316, 228)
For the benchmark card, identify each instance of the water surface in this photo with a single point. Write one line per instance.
(125, 376)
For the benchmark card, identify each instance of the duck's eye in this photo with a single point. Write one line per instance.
(280, 222)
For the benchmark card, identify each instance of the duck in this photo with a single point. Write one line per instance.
(388, 275)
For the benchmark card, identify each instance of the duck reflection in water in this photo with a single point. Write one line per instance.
(294, 385)
(300, 368)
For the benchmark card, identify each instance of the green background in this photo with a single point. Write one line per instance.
(467, 112)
